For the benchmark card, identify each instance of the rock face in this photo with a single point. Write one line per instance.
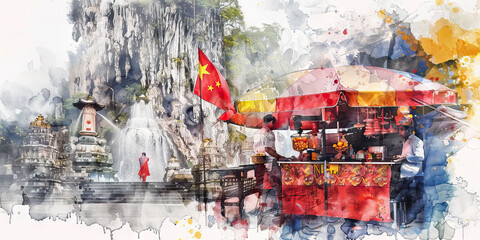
(153, 44)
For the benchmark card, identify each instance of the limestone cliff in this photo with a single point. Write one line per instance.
(153, 43)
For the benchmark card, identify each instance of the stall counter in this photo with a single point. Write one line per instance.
(355, 190)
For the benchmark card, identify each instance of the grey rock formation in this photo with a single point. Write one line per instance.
(152, 44)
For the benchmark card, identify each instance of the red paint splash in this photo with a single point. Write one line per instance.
(240, 223)
(345, 32)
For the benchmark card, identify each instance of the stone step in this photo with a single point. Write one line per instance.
(133, 186)
(107, 194)
(128, 185)
(115, 192)
(132, 189)
(137, 199)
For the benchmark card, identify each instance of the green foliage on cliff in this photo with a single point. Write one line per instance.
(177, 61)
(250, 54)
(68, 103)
(232, 16)
(135, 90)
(119, 117)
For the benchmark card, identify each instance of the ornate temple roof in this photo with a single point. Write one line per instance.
(40, 122)
(81, 103)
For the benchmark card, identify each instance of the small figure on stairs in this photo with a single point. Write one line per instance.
(144, 172)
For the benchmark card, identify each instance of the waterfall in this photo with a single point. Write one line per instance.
(77, 123)
(143, 134)
(109, 122)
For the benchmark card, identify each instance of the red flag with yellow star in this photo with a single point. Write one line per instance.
(212, 87)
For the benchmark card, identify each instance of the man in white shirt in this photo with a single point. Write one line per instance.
(410, 184)
(266, 138)
(412, 153)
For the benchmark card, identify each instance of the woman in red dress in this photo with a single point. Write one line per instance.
(144, 172)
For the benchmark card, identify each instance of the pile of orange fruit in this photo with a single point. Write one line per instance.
(300, 143)
(341, 146)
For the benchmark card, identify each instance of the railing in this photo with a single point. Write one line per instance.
(232, 182)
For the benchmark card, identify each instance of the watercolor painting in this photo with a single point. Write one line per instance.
(239, 119)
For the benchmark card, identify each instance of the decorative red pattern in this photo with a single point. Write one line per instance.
(356, 191)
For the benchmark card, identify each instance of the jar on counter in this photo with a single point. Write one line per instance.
(368, 157)
(360, 155)
(299, 142)
(315, 138)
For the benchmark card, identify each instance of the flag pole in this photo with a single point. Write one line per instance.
(203, 154)
(202, 146)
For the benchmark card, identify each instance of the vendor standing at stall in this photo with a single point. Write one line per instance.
(274, 174)
(410, 184)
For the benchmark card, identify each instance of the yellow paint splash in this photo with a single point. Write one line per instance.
(187, 228)
(474, 112)
(469, 81)
(381, 13)
(388, 19)
(450, 41)
(439, 2)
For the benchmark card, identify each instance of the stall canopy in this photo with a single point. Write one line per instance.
(308, 92)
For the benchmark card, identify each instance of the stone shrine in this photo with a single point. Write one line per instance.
(175, 173)
(91, 157)
(43, 164)
(210, 152)
(42, 154)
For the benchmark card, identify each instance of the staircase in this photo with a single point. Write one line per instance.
(135, 192)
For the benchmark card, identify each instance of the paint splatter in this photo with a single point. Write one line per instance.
(449, 41)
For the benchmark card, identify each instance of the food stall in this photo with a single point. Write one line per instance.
(331, 178)
(355, 186)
